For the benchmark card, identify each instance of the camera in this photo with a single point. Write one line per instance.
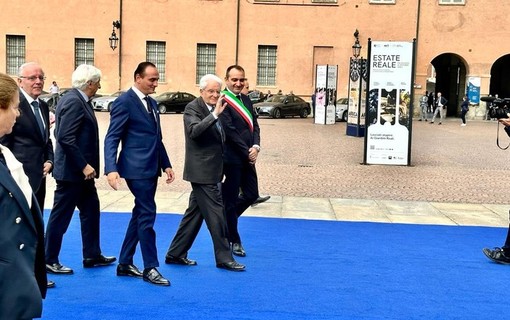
(499, 108)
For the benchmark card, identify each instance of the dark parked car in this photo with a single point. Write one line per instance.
(51, 99)
(173, 101)
(256, 96)
(283, 105)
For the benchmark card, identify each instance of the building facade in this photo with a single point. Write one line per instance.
(278, 42)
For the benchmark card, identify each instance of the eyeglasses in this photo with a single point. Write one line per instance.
(240, 80)
(33, 78)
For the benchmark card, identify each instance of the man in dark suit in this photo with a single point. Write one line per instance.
(30, 138)
(203, 167)
(134, 122)
(242, 147)
(29, 141)
(76, 167)
(22, 272)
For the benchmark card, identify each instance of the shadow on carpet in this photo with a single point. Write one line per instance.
(296, 269)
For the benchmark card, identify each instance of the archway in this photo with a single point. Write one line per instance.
(500, 77)
(450, 79)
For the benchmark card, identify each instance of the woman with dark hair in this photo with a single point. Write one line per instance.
(22, 269)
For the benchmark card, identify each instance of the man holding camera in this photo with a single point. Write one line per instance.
(501, 255)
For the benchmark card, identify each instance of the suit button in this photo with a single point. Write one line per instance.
(18, 220)
(10, 194)
(21, 246)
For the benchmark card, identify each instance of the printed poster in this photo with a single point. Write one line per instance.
(387, 139)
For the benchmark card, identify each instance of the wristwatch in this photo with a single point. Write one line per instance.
(256, 147)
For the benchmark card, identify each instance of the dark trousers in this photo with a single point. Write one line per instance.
(68, 196)
(40, 194)
(238, 177)
(205, 203)
(463, 116)
(141, 225)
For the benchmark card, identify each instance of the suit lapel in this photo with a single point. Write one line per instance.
(26, 111)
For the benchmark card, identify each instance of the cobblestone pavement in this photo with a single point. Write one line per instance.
(449, 163)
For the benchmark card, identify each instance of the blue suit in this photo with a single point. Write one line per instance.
(77, 144)
(22, 269)
(140, 161)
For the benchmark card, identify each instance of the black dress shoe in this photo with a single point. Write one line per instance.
(231, 266)
(260, 200)
(98, 261)
(50, 284)
(238, 250)
(153, 276)
(182, 261)
(57, 268)
(128, 270)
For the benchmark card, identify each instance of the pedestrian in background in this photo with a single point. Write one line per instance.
(440, 108)
(464, 108)
(423, 106)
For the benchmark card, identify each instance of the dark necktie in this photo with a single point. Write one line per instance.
(149, 108)
(38, 118)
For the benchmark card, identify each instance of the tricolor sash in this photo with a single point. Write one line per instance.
(238, 106)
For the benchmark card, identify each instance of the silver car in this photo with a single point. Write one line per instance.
(104, 103)
(342, 109)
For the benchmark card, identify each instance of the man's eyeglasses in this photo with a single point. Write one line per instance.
(33, 78)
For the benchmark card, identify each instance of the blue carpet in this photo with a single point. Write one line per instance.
(296, 269)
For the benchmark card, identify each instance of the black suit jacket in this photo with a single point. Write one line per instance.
(27, 143)
(77, 138)
(239, 137)
(203, 160)
(22, 267)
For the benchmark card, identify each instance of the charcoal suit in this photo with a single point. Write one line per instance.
(31, 147)
(77, 144)
(203, 167)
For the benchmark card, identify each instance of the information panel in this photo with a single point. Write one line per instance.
(388, 115)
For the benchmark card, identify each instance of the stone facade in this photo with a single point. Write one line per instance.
(306, 33)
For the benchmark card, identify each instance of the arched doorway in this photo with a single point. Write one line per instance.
(500, 77)
(450, 79)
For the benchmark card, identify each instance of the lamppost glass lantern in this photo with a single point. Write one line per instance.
(114, 40)
(356, 47)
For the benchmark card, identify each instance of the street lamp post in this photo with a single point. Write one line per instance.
(357, 89)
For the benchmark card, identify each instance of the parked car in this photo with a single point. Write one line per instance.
(342, 109)
(256, 96)
(51, 99)
(104, 103)
(279, 106)
(173, 101)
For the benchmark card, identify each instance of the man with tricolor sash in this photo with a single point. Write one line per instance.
(242, 146)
